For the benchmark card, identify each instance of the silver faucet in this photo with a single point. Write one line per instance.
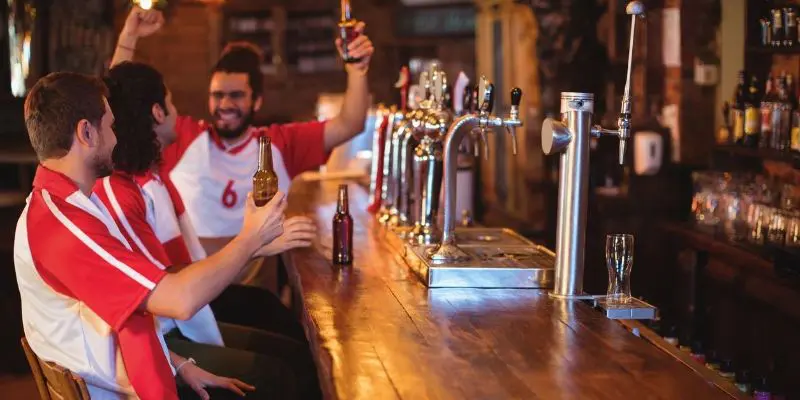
(483, 120)
(427, 160)
(396, 115)
(570, 137)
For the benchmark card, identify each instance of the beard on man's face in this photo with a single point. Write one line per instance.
(231, 123)
(102, 165)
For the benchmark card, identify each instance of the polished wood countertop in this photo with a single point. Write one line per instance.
(377, 332)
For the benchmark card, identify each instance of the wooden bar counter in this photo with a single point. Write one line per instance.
(378, 333)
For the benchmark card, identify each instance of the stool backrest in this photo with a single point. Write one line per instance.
(54, 381)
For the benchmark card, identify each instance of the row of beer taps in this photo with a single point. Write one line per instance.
(420, 147)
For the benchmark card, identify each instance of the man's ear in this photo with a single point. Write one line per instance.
(257, 104)
(85, 133)
(158, 114)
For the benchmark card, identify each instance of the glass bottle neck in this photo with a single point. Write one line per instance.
(264, 154)
(345, 10)
(342, 206)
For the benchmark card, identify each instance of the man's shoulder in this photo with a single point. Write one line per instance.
(187, 131)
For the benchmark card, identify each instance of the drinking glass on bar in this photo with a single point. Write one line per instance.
(619, 261)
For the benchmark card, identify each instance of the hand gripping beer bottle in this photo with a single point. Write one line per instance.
(265, 181)
(342, 230)
(347, 31)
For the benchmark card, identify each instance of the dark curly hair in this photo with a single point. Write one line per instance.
(133, 90)
(243, 58)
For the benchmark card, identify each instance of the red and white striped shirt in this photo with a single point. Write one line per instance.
(213, 178)
(81, 287)
(151, 216)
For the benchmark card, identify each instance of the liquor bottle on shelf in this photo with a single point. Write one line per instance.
(738, 109)
(794, 140)
(766, 32)
(752, 123)
(767, 105)
(789, 27)
(265, 180)
(342, 230)
(781, 115)
(724, 132)
(347, 31)
(776, 17)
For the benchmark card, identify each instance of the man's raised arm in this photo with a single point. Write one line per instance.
(353, 115)
(140, 23)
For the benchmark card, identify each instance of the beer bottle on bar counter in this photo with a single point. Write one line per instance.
(752, 123)
(347, 31)
(738, 109)
(265, 180)
(342, 230)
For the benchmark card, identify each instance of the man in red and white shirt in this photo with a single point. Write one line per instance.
(212, 164)
(88, 300)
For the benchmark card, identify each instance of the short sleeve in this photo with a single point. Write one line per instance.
(74, 253)
(302, 145)
(187, 129)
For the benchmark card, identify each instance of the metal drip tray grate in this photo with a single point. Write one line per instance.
(489, 237)
(497, 258)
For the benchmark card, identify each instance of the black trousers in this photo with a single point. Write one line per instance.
(256, 308)
(279, 367)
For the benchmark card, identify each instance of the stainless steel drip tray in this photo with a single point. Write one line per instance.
(631, 309)
(489, 266)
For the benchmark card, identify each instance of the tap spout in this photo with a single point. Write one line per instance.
(459, 129)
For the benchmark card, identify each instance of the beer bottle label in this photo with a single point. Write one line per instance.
(738, 125)
(796, 138)
(766, 118)
(752, 121)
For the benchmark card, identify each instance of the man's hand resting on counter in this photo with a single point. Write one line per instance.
(297, 232)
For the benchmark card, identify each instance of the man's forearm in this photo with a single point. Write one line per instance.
(182, 294)
(353, 114)
(126, 47)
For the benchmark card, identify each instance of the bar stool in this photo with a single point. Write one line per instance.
(54, 381)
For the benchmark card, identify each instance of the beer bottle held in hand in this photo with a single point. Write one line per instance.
(342, 230)
(347, 31)
(265, 181)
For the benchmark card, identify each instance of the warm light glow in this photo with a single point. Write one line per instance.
(146, 4)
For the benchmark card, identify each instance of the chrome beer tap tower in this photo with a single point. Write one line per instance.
(570, 137)
(427, 173)
(448, 251)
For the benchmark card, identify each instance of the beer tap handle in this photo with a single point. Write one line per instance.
(513, 119)
(516, 97)
(487, 99)
(473, 106)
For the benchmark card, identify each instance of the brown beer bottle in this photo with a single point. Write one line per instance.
(342, 230)
(265, 181)
(347, 31)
